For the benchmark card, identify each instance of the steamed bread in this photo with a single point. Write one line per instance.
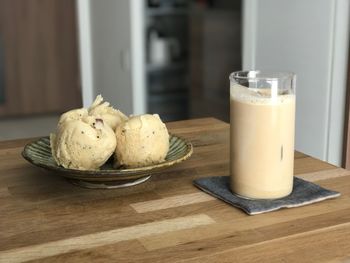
(84, 144)
(142, 140)
(86, 138)
(103, 110)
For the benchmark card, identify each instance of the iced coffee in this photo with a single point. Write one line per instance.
(262, 117)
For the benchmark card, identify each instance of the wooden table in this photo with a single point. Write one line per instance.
(46, 219)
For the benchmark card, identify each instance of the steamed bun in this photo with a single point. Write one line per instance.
(73, 115)
(102, 109)
(81, 141)
(141, 140)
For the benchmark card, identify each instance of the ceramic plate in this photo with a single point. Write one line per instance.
(39, 153)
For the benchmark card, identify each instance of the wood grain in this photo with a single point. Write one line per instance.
(41, 58)
(301, 247)
(46, 219)
(102, 238)
(169, 202)
(231, 222)
(326, 174)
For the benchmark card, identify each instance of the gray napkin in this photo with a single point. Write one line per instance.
(304, 193)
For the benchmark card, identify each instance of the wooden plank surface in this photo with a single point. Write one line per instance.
(41, 70)
(43, 218)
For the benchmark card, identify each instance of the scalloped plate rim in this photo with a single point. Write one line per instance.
(108, 174)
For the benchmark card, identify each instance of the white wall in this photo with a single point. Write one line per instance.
(112, 52)
(85, 50)
(138, 55)
(310, 38)
(110, 27)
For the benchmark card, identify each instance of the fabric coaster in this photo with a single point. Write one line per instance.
(304, 193)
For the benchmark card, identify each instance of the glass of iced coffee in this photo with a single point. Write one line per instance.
(262, 118)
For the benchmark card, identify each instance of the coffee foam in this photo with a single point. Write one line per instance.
(257, 96)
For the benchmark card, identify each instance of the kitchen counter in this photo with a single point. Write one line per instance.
(166, 219)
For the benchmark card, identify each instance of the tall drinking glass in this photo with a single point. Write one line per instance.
(262, 118)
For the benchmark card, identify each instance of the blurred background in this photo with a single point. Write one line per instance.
(172, 57)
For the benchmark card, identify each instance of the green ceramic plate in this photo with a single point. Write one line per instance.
(39, 154)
